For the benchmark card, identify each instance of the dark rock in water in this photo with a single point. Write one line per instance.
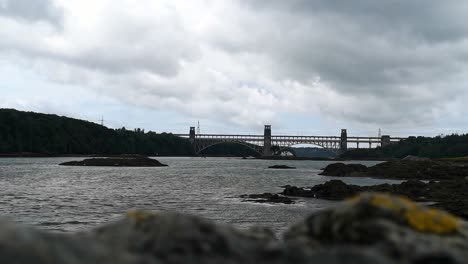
(125, 161)
(389, 226)
(448, 195)
(331, 190)
(341, 169)
(421, 170)
(335, 190)
(371, 228)
(267, 198)
(338, 190)
(281, 167)
(401, 169)
(297, 191)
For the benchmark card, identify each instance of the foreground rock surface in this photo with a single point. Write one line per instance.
(130, 161)
(371, 228)
(401, 169)
(395, 227)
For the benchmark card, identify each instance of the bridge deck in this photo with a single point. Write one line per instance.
(280, 138)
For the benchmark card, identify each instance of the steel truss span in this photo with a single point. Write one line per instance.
(264, 144)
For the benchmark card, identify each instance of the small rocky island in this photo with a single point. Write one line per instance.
(281, 167)
(120, 161)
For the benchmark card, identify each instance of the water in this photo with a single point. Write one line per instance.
(37, 191)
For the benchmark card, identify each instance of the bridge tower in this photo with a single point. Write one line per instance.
(267, 141)
(192, 135)
(343, 141)
(385, 140)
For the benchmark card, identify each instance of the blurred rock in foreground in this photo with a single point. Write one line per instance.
(371, 228)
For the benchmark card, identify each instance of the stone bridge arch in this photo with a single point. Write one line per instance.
(203, 144)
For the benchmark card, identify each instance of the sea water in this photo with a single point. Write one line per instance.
(39, 192)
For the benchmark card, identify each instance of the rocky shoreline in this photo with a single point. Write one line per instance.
(370, 228)
(402, 170)
(445, 187)
(447, 195)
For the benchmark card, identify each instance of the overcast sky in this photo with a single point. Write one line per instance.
(303, 66)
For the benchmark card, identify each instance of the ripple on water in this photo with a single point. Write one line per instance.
(37, 191)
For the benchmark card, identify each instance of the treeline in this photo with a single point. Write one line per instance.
(28, 132)
(436, 147)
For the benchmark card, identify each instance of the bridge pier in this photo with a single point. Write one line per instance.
(192, 135)
(343, 141)
(385, 141)
(267, 141)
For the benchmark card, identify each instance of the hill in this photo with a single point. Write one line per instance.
(46, 134)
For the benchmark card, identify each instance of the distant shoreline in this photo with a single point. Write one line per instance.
(45, 155)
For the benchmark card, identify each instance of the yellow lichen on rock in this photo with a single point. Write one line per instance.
(395, 203)
(140, 215)
(432, 220)
(416, 216)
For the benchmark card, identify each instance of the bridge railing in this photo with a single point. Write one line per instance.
(353, 139)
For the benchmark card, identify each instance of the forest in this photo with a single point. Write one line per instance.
(46, 134)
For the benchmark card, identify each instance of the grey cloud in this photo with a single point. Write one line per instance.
(359, 42)
(430, 19)
(31, 10)
(125, 45)
(366, 49)
(379, 62)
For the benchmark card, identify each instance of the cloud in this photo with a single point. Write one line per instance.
(247, 62)
(31, 11)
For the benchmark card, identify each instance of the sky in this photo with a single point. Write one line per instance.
(306, 67)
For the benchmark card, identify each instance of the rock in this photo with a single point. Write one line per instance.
(448, 195)
(296, 191)
(335, 190)
(401, 169)
(280, 167)
(125, 161)
(415, 158)
(421, 170)
(267, 198)
(341, 169)
(178, 238)
(22, 245)
(332, 190)
(390, 226)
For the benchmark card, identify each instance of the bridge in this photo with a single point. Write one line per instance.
(269, 145)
